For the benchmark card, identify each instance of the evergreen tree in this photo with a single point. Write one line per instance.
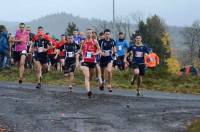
(71, 28)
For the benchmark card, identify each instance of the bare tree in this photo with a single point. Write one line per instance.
(129, 28)
(118, 24)
(103, 25)
(123, 25)
(96, 28)
(196, 26)
(192, 40)
(137, 16)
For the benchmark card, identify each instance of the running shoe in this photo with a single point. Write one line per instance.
(70, 88)
(101, 87)
(89, 94)
(132, 82)
(38, 86)
(20, 81)
(139, 94)
(110, 89)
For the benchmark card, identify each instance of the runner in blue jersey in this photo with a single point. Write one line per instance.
(138, 50)
(76, 37)
(107, 46)
(121, 47)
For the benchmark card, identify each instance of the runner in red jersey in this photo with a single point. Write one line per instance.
(53, 57)
(40, 32)
(89, 49)
(61, 56)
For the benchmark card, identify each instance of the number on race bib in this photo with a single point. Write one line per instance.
(40, 49)
(138, 54)
(89, 55)
(107, 53)
(70, 54)
(76, 42)
(120, 47)
(152, 59)
(24, 52)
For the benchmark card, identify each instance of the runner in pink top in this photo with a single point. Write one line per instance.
(22, 37)
(20, 51)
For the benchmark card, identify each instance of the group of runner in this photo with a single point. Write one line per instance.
(89, 52)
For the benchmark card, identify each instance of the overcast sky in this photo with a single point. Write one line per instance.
(174, 12)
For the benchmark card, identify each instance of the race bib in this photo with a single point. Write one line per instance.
(138, 54)
(24, 52)
(151, 59)
(76, 42)
(89, 55)
(120, 47)
(107, 53)
(40, 49)
(70, 54)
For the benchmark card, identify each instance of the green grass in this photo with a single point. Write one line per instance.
(195, 127)
(172, 83)
(153, 80)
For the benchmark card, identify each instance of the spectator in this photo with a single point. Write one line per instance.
(152, 60)
(4, 47)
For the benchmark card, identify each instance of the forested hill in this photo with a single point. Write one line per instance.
(57, 23)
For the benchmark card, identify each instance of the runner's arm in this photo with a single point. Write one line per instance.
(98, 48)
(114, 49)
(50, 46)
(157, 60)
(32, 48)
(128, 52)
(78, 53)
(18, 40)
(80, 50)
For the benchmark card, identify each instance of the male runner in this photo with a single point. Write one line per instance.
(40, 48)
(106, 61)
(138, 50)
(70, 49)
(20, 49)
(89, 49)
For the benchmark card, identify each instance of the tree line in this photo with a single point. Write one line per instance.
(155, 35)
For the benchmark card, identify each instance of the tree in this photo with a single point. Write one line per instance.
(191, 36)
(123, 25)
(173, 65)
(137, 17)
(71, 28)
(166, 45)
(104, 25)
(129, 28)
(118, 25)
(142, 29)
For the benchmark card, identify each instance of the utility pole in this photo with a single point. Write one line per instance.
(114, 19)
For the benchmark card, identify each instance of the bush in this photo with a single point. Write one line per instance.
(173, 65)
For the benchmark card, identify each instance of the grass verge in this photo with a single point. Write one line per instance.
(153, 80)
(195, 127)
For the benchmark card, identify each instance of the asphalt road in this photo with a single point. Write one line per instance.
(52, 109)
